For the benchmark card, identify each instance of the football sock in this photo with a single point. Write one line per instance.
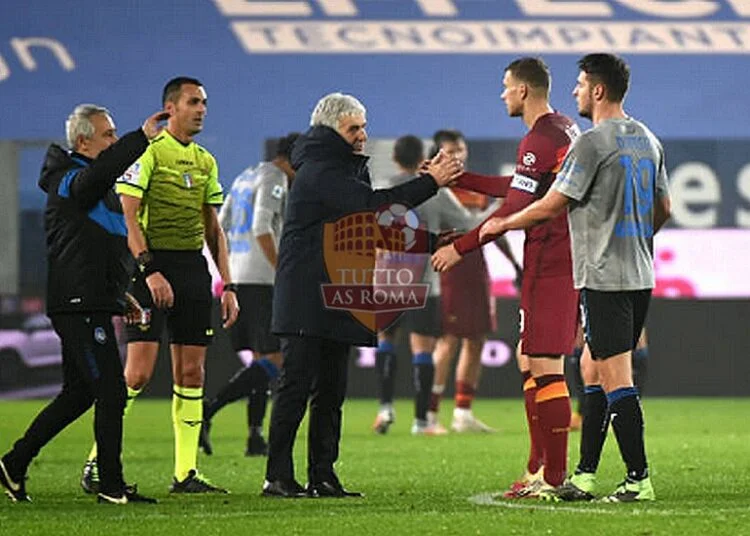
(385, 362)
(259, 392)
(132, 393)
(435, 397)
(593, 428)
(627, 422)
(187, 415)
(424, 373)
(464, 394)
(553, 409)
(536, 452)
(255, 376)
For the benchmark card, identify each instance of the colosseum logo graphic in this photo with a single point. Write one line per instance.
(375, 262)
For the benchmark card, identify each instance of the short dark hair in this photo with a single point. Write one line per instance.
(173, 88)
(285, 145)
(609, 70)
(408, 152)
(442, 136)
(531, 71)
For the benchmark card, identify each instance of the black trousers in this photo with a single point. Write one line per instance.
(92, 374)
(316, 369)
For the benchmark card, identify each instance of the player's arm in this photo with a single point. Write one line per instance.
(217, 245)
(161, 290)
(492, 185)
(267, 206)
(524, 189)
(573, 182)
(90, 184)
(504, 246)
(448, 256)
(548, 207)
(663, 205)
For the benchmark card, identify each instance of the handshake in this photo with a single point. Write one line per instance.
(443, 168)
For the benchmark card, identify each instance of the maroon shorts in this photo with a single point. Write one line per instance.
(464, 297)
(549, 315)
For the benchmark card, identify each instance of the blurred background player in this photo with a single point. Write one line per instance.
(467, 311)
(252, 217)
(549, 303)
(441, 212)
(169, 197)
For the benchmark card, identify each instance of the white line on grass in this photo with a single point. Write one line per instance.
(495, 499)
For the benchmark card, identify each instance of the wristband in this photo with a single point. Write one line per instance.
(230, 287)
(145, 262)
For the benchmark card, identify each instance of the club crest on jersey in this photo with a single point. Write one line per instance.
(277, 192)
(529, 159)
(188, 180)
(100, 335)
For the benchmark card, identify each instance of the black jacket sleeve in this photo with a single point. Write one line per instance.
(346, 194)
(91, 183)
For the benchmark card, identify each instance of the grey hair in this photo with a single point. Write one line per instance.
(333, 107)
(79, 122)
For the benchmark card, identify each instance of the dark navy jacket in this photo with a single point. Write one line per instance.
(331, 181)
(88, 259)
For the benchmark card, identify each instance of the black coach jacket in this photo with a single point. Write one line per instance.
(87, 248)
(331, 181)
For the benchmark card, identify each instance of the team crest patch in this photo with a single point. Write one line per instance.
(188, 180)
(529, 159)
(100, 335)
(277, 192)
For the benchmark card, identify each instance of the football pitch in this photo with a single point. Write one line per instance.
(699, 453)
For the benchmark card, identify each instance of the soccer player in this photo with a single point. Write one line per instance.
(614, 185)
(169, 197)
(549, 303)
(252, 217)
(443, 211)
(88, 263)
(467, 314)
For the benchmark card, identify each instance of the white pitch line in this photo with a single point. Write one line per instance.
(492, 499)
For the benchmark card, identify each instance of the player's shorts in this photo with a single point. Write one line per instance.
(465, 298)
(252, 331)
(189, 320)
(612, 321)
(549, 316)
(424, 321)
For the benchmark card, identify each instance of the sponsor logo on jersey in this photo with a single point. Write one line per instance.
(522, 182)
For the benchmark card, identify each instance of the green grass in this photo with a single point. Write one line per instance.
(699, 455)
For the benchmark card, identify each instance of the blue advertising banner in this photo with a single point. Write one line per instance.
(418, 65)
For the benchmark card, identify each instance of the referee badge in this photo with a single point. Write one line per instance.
(188, 180)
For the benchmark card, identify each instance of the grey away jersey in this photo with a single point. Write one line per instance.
(254, 207)
(613, 173)
(441, 212)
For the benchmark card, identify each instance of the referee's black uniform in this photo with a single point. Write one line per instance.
(89, 263)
